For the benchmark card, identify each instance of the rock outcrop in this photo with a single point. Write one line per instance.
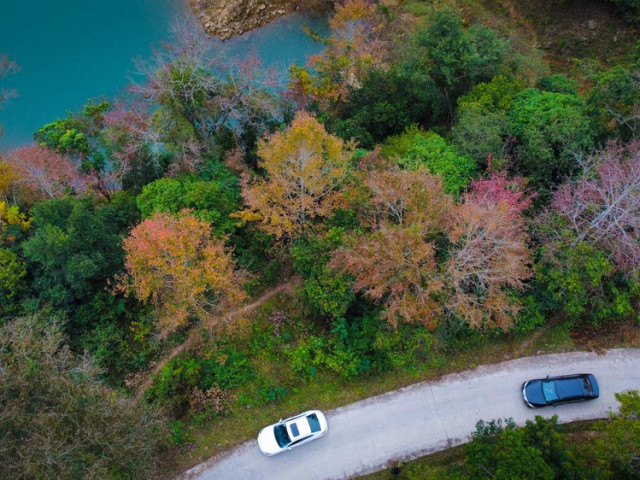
(227, 18)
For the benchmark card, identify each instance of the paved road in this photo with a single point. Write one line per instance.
(427, 417)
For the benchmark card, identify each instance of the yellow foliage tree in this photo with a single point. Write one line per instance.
(11, 216)
(8, 178)
(306, 168)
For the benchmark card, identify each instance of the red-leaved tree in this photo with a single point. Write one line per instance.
(397, 265)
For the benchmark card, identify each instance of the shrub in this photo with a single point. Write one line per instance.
(432, 152)
(551, 129)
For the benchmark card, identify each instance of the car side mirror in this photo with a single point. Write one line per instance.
(280, 420)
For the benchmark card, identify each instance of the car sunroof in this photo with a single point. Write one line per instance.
(294, 430)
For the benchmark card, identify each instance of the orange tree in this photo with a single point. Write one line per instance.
(426, 258)
(175, 263)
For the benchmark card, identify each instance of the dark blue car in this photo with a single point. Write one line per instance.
(541, 392)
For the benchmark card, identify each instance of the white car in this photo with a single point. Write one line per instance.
(292, 432)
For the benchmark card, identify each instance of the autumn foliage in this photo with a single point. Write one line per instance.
(408, 198)
(359, 41)
(46, 174)
(305, 167)
(397, 267)
(397, 263)
(489, 256)
(602, 207)
(174, 263)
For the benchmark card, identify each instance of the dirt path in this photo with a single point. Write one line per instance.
(193, 337)
(534, 337)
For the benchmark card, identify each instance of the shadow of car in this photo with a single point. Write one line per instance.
(542, 392)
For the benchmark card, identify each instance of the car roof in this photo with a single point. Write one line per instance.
(568, 387)
(298, 428)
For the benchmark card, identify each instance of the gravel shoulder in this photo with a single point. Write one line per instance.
(427, 417)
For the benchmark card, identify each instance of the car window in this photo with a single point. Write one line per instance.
(300, 440)
(314, 423)
(282, 437)
(549, 391)
(294, 430)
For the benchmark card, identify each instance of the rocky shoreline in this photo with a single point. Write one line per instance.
(227, 18)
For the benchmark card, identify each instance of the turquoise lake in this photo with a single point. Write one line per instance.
(72, 50)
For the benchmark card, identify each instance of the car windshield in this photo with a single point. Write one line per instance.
(282, 437)
(314, 423)
(549, 391)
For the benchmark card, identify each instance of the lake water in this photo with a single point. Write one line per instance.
(72, 50)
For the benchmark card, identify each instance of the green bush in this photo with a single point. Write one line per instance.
(406, 347)
(179, 433)
(349, 350)
(211, 200)
(273, 394)
(614, 103)
(183, 376)
(581, 282)
(432, 152)
(558, 84)
(326, 291)
(550, 128)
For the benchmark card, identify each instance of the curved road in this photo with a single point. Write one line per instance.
(427, 417)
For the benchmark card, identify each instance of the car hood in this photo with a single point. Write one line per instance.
(533, 392)
(267, 441)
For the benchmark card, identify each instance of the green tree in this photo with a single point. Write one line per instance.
(433, 152)
(481, 128)
(211, 200)
(74, 250)
(380, 106)
(12, 273)
(550, 128)
(614, 102)
(328, 291)
(57, 420)
(454, 57)
(536, 451)
(441, 60)
(546, 435)
(579, 280)
(500, 452)
(558, 84)
(618, 451)
(78, 137)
